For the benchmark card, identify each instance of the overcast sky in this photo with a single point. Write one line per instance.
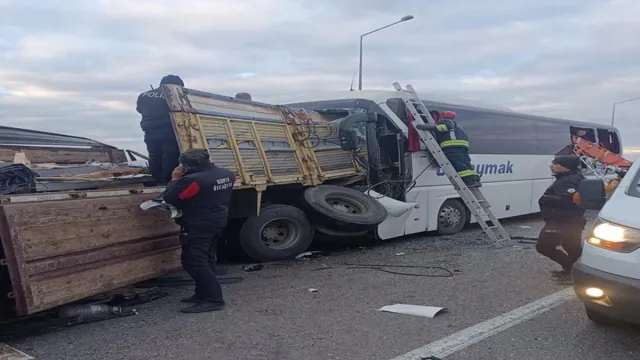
(76, 66)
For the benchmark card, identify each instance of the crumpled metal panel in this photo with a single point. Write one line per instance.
(65, 250)
(17, 136)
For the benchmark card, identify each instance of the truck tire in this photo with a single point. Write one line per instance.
(452, 217)
(347, 209)
(280, 232)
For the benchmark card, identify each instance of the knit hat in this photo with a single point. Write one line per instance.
(195, 158)
(568, 161)
(171, 80)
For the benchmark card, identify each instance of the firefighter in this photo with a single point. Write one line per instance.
(159, 137)
(202, 191)
(455, 145)
(564, 220)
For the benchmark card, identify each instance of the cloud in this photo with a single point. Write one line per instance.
(76, 66)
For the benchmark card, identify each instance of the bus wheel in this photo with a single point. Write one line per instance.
(280, 232)
(452, 217)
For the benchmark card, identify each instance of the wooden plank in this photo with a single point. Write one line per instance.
(49, 292)
(57, 228)
(65, 250)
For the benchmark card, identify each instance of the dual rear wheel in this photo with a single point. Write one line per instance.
(281, 232)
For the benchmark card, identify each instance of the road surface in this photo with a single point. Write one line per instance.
(501, 305)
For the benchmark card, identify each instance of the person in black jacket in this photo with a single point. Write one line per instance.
(564, 220)
(202, 191)
(159, 136)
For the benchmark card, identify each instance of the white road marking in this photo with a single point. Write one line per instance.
(474, 334)
(9, 353)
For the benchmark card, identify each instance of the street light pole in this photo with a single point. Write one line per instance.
(613, 112)
(403, 19)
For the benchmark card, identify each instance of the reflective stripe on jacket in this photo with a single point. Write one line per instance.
(449, 134)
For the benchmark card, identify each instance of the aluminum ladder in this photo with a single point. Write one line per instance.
(474, 199)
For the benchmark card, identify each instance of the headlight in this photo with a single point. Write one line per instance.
(614, 237)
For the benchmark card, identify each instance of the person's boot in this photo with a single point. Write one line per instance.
(203, 306)
(193, 299)
(561, 276)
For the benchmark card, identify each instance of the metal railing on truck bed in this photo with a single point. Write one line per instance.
(263, 144)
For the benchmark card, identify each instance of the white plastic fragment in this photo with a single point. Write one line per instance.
(417, 310)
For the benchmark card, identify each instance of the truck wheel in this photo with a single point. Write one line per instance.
(356, 210)
(452, 217)
(280, 232)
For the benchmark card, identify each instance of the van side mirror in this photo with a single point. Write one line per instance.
(591, 194)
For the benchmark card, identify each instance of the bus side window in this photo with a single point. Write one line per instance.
(615, 143)
(609, 140)
(553, 138)
(516, 135)
(480, 127)
(588, 134)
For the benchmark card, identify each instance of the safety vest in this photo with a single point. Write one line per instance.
(449, 134)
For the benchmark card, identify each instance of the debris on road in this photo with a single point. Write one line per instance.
(400, 254)
(81, 313)
(313, 290)
(111, 305)
(253, 267)
(528, 241)
(323, 267)
(381, 267)
(311, 254)
(524, 239)
(9, 353)
(417, 310)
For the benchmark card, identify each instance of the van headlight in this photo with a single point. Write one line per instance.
(614, 237)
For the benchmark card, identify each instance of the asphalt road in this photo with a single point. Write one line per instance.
(272, 315)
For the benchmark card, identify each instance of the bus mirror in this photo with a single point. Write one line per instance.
(591, 194)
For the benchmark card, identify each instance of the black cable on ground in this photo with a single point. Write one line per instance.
(379, 267)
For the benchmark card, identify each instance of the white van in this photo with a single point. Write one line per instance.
(607, 277)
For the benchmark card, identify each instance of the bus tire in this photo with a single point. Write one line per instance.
(342, 205)
(280, 232)
(452, 217)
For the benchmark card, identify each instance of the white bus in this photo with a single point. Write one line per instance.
(510, 150)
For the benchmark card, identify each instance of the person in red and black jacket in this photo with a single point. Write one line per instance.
(202, 191)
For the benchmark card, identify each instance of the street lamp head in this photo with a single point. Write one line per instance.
(406, 18)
